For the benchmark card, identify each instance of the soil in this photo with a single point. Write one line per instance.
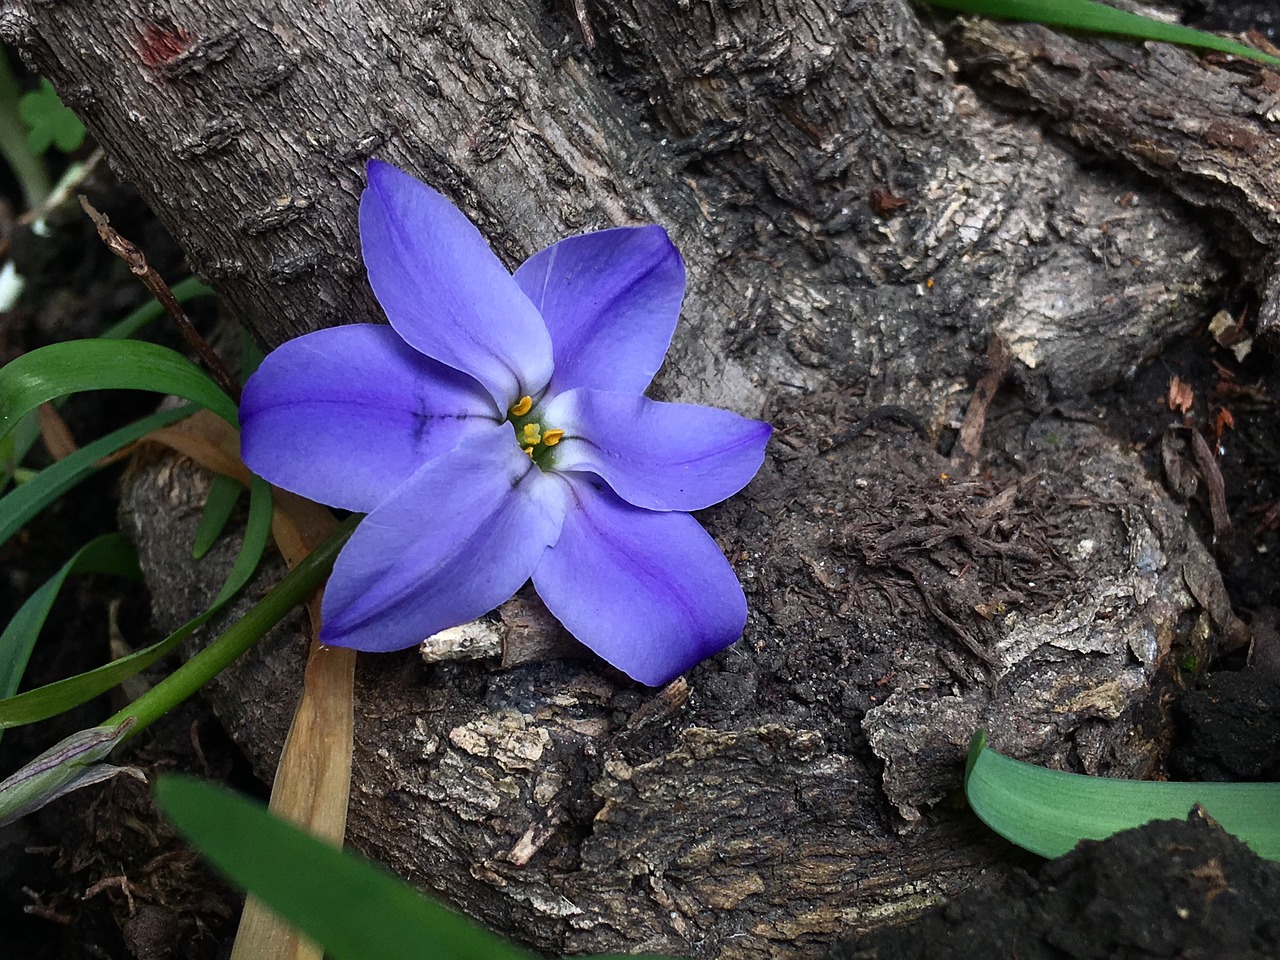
(1170, 889)
(98, 874)
(1233, 15)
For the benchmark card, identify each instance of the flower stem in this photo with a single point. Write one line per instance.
(292, 590)
(27, 168)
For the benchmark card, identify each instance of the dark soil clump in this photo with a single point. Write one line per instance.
(1169, 889)
(1230, 727)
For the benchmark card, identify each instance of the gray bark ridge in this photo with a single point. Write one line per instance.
(1207, 132)
(858, 226)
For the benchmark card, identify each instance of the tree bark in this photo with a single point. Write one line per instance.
(866, 238)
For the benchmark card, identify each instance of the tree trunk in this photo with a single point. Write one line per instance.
(866, 238)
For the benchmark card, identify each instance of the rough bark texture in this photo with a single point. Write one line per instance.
(1209, 135)
(781, 794)
(859, 226)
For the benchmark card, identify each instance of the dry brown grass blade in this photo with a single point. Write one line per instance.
(297, 525)
(54, 432)
(312, 786)
(313, 778)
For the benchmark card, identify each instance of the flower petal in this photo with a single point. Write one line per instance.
(445, 292)
(661, 456)
(649, 592)
(457, 539)
(345, 415)
(611, 301)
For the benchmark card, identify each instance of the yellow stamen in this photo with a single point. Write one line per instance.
(532, 434)
(522, 406)
(529, 451)
(552, 437)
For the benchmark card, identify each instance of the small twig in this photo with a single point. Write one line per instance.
(120, 883)
(37, 908)
(67, 184)
(131, 255)
(584, 23)
(975, 418)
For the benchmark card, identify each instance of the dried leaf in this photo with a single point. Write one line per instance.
(1181, 396)
(1222, 422)
(1179, 470)
(298, 526)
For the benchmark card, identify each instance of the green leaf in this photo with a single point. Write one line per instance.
(257, 531)
(1099, 18)
(355, 910)
(15, 444)
(223, 495)
(62, 368)
(55, 698)
(1048, 811)
(50, 121)
(110, 553)
(19, 506)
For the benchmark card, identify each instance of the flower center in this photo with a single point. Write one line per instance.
(534, 438)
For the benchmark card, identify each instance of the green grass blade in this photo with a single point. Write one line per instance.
(14, 447)
(18, 507)
(73, 763)
(1099, 18)
(352, 908)
(15, 444)
(224, 493)
(1048, 811)
(55, 698)
(110, 553)
(257, 532)
(61, 368)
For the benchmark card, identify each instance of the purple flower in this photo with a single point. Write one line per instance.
(497, 431)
